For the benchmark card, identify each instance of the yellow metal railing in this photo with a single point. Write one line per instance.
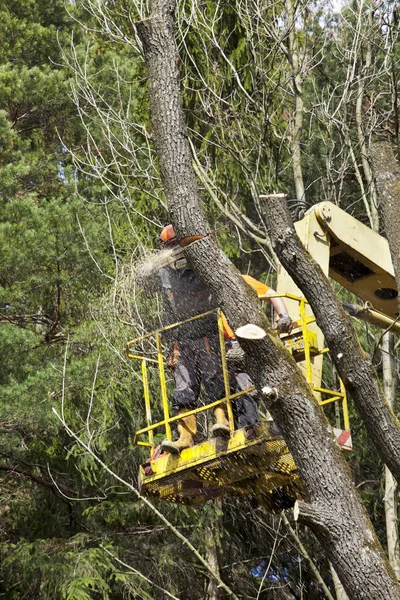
(166, 422)
(308, 348)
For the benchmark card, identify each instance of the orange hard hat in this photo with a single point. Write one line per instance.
(167, 236)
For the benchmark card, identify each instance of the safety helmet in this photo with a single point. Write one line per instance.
(167, 236)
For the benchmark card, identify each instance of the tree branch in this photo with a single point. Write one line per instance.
(55, 488)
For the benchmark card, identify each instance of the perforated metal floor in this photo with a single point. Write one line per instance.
(216, 467)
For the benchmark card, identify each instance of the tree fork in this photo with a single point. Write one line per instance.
(355, 553)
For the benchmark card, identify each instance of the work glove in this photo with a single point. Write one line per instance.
(284, 324)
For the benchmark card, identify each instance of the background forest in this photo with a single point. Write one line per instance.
(283, 96)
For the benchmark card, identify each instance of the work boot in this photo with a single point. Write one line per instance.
(187, 428)
(221, 427)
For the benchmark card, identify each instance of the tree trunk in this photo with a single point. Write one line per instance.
(389, 370)
(390, 498)
(387, 176)
(392, 534)
(334, 511)
(297, 78)
(213, 540)
(363, 74)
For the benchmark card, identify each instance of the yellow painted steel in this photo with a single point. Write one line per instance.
(345, 409)
(349, 242)
(146, 394)
(237, 465)
(163, 384)
(225, 370)
(145, 358)
(308, 342)
(167, 328)
(194, 411)
(307, 354)
(330, 400)
(325, 391)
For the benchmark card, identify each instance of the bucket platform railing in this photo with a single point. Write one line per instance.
(302, 343)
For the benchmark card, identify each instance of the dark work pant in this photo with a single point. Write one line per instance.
(244, 408)
(196, 362)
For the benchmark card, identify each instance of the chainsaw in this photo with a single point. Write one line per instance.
(175, 257)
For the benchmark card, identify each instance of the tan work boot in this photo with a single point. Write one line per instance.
(187, 429)
(221, 427)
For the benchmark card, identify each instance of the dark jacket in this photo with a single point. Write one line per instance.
(184, 296)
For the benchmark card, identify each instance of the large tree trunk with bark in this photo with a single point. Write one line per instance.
(390, 498)
(387, 177)
(212, 535)
(334, 511)
(297, 79)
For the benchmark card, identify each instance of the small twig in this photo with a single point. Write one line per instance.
(270, 558)
(177, 533)
(304, 552)
(74, 499)
(90, 251)
(51, 486)
(378, 341)
(91, 402)
(136, 572)
(63, 378)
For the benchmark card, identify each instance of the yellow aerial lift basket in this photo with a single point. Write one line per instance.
(259, 466)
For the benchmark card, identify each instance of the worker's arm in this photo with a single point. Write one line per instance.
(284, 323)
(278, 303)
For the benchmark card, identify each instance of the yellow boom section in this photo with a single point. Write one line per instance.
(359, 258)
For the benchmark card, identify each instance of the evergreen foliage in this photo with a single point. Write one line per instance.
(81, 204)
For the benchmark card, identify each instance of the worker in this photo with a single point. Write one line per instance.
(244, 408)
(194, 357)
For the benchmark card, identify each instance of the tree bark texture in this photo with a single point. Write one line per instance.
(173, 153)
(212, 535)
(334, 510)
(390, 499)
(387, 176)
(353, 364)
(297, 78)
(363, 73)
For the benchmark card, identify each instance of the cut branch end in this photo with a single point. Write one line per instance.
(250, 332)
